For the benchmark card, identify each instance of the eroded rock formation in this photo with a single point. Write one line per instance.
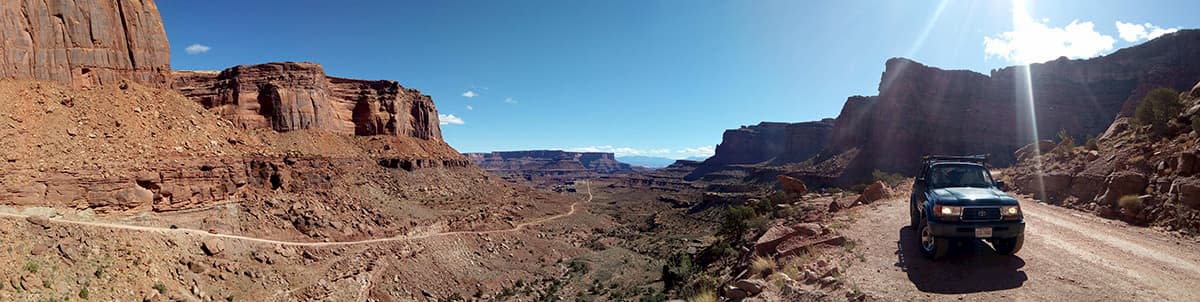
(84, 43)
(287, 96)
(549, 165)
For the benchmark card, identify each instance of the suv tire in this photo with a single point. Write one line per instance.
(914, 217)
(1009, 246)
(931, 246)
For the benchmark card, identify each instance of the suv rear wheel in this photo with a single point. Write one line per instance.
(1009, 246)
(932, 247)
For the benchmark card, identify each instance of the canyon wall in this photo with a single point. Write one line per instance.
(84, 43)
(769, 142)
(286, 96)
(925, 110)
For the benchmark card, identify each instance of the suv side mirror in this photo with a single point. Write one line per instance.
(1003, 186)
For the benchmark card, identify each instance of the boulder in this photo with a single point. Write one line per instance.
(792, 184)
(771, 239)
(40, 221)
(213, 246)
(1124, 183)
(751, 286)
(1186, 163)
(876, 191)
(1188, 190)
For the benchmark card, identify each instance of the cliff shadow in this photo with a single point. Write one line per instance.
(971, 268)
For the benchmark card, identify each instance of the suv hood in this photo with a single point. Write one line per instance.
(970, 195)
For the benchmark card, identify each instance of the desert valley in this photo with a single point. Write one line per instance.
(124, 179)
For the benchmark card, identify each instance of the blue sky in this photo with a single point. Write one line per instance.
(658, 78)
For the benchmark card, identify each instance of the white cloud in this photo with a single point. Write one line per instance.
(470, 94)
(656, 152)
(470, 108)
(449, 119)
(1136, 32)
(1033, 41)
(196, 49)
(510, 100)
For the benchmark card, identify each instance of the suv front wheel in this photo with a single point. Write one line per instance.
(932, 247)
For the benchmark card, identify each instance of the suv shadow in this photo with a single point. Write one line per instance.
(959, 273)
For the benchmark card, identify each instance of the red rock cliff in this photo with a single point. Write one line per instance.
(84, 42)
(290, 96)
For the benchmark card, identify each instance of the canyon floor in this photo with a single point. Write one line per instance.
(1068, 256)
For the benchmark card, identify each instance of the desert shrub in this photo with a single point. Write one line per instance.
(760, 265)
(677, 271)
(84, 293)
(1157, 109)
(704, 296)
(1131, 203)
(1092, 143)
(160, 287)
(1196, 124)
(737, 220)
(31, 266)
(859, 188)
(1066, 143)
(891, 179)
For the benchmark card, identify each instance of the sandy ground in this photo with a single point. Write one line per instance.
(1068, 256)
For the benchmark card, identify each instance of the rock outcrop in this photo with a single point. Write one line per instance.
(287, 96)
(768, 143)
(84, 43)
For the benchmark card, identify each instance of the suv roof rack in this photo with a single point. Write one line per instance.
(978, 158)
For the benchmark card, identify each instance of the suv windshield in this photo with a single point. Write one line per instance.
(959, 175)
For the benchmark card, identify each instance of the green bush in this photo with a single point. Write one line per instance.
(1196, 124)
(1092, 143)
(1157, 109)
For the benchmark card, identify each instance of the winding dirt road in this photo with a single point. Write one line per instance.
(201, 233)
(1068, 256)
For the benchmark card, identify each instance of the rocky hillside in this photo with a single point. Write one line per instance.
(84, 43)
(925, 110)
(1130, 173)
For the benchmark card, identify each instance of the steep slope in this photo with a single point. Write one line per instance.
(1130, 174)
(768, 142)
(84, 43)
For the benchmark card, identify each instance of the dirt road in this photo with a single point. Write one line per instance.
(186, 231)
(1068, 256)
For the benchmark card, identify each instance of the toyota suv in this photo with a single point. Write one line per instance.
(955, 200)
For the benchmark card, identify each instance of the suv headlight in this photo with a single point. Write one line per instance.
(1010, 212)
(947, 212)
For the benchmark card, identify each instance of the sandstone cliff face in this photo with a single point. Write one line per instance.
(768, 142)
(923, 110)
(84, 43)
(290, 96)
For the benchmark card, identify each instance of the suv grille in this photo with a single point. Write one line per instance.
(980, 214)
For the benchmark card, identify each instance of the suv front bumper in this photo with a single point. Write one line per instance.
(958, 229)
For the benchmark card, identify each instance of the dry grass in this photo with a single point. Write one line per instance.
(760, 265)
(704, 296)
(1130, 203)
